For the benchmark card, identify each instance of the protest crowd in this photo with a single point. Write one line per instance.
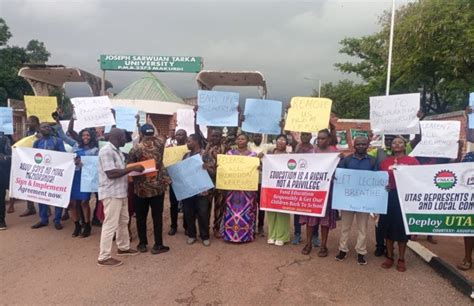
(271, 169)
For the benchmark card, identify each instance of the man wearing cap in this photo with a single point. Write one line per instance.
(149, 189)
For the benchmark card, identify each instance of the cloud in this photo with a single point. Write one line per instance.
(285, 40)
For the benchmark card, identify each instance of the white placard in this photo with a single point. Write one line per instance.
(395, 114)
(185, 121)
(438, 139)
(42, 176)
(93, 111)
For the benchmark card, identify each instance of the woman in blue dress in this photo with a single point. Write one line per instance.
(85, 145)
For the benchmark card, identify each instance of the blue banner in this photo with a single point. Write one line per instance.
(217, 108)
(360, 191)
(6, 120)
(90, 174)
(262, 116)
(189, 178)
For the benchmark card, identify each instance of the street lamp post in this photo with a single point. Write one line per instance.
(319, 85)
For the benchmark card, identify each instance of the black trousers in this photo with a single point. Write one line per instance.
(197, 207)
(174, 208)
(3, 189)
(261, 213)
(379, 238)
(142, 206)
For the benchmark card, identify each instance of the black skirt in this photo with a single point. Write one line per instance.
(391, 224)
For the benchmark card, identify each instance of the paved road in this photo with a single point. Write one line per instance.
(46, 266)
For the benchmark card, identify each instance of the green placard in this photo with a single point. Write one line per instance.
(155, 63)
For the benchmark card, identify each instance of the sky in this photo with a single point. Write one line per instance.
(293, 43)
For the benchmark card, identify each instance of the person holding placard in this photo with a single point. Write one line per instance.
(85, 145)
(5, 165)
(260, 148)
(466, 263)
(238, 222)
(48, 142)
(391, 224)
(32, 128)
(214, 147)
(279, 223)
(305, 146)
(149, 189)
(197, 207)
(328, 222)
(113, 183)
(359, 160)
(181, 138)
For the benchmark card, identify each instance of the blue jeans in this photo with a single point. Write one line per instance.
(297, 225)
(43, 213)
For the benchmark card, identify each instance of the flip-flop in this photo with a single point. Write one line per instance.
(323, 252)
(401, 267)
(307, 249)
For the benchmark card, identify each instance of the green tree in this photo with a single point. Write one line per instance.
(37, 53)
(12, 59)
(4, 32)
(432, 54)
(350, 100)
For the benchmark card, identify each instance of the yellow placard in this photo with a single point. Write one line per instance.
(26, 142)
(308, 114)
(173, 155)
(41, 107)
(235, 172)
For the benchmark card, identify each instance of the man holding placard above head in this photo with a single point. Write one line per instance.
(308, 115)
(181, 139)
(48, 142)
(213, 146)
(150, 189)
(359, 160)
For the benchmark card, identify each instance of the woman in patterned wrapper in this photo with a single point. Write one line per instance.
(240, 207)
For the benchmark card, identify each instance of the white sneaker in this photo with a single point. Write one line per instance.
(271, 241)
(191, 240)
(279, 243)
(206, 242)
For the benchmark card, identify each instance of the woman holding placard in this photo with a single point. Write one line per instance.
(328, 222)
(278, 223)
(391, 224)
(238, 222)
(85, 145)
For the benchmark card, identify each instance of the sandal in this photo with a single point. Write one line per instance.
(465, 265)
(307, 249)
(401, 267)
(388, 263)
(11, 209)
(323, 252)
